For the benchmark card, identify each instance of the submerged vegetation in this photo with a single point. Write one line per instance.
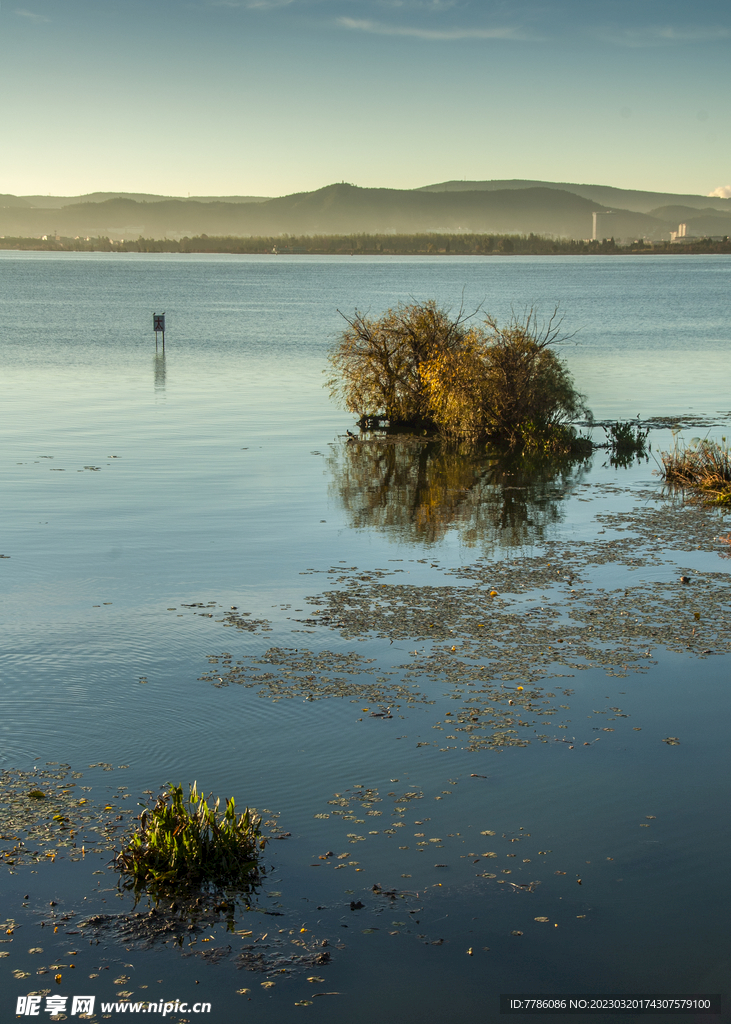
(702, 466)
(188, 841)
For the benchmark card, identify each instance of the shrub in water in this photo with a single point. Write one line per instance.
(188, 841)
(377, 363)
(419, 366)
(526, 381)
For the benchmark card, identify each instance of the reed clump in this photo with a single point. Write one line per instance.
(188, 841)
(703, 466)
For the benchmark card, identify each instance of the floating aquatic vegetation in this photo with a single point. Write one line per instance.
(572, 622)
(188, 841)
(308, 676)
(685, 421)
(242, 620)
(271, 958)
(578, 628)
(46, 812)
(232, 617)
(520, 620)
(462, 860)
(158, 924)
(658, 525)
(191, 924)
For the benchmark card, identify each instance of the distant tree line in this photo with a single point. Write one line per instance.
(369, 245)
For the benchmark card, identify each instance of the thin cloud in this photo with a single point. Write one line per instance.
(264, 5)
(249, 4)
(260, 5)
(665, 35)
(439, 35)
(31, 15)
(428, 5)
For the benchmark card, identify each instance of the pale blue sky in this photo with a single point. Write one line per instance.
(266, 97)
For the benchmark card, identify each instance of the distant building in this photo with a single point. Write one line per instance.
(599, 220)
(681, 236)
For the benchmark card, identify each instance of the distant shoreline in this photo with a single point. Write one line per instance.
(427, 244)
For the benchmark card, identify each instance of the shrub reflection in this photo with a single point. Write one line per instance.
(420, 490)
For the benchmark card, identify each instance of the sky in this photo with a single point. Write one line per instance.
(270, 97)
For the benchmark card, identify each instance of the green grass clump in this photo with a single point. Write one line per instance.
(625, 440)
(181, 841)
(703, 466)
(627, 437)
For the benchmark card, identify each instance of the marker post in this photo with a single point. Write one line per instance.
(158, 325)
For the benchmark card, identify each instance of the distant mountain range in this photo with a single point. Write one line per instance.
(605, 195)
(57, 202)
(561, 210)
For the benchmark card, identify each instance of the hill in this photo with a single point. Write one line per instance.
(58, 202)
(342, 209)
(335, 209)
(606, 195)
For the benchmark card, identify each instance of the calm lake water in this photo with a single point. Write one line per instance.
(167, 516)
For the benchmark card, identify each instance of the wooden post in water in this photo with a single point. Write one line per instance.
(158, 324)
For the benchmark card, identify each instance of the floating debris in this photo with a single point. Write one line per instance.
(45, 813)
(233, 617)
(185, 921)
(301, 673)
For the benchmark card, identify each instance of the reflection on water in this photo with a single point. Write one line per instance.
(158, 364)
(419, 490)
